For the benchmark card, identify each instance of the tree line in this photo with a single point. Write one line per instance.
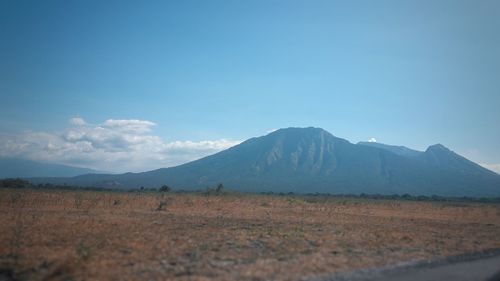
(219, 189)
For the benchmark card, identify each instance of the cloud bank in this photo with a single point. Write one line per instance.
(114, 145)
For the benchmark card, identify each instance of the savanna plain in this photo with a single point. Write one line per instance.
(100, 235)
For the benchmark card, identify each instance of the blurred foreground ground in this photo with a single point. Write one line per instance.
(87, 235)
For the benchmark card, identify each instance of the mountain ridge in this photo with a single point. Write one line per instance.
(23, 168)
(398, 149)
(309, 160)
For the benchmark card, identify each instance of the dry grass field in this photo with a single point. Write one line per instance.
(86, 235)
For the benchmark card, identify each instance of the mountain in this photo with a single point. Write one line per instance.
(22, 168)
(309, 160)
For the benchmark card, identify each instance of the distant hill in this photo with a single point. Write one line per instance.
(310, 160)
(22, 168)
(437, 156)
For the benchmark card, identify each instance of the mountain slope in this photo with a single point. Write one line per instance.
(308, 160)
(22, 168)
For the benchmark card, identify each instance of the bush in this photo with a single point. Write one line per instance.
(15, 183)
(219, 188)
(165, 188)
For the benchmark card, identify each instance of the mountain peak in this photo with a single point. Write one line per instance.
(300, 129)
(437, 146)
(309, 132)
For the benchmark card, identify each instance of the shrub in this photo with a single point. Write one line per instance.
(219, 188)
(165, 188)
(162, 205)
(14, 183)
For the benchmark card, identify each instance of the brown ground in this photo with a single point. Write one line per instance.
(70, 235)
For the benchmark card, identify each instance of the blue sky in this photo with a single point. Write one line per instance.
(194, 77)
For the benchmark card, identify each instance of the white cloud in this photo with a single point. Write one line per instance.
(114, 145)
(132, 125)
(372, 140)
(493, 167)
(77, 121)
